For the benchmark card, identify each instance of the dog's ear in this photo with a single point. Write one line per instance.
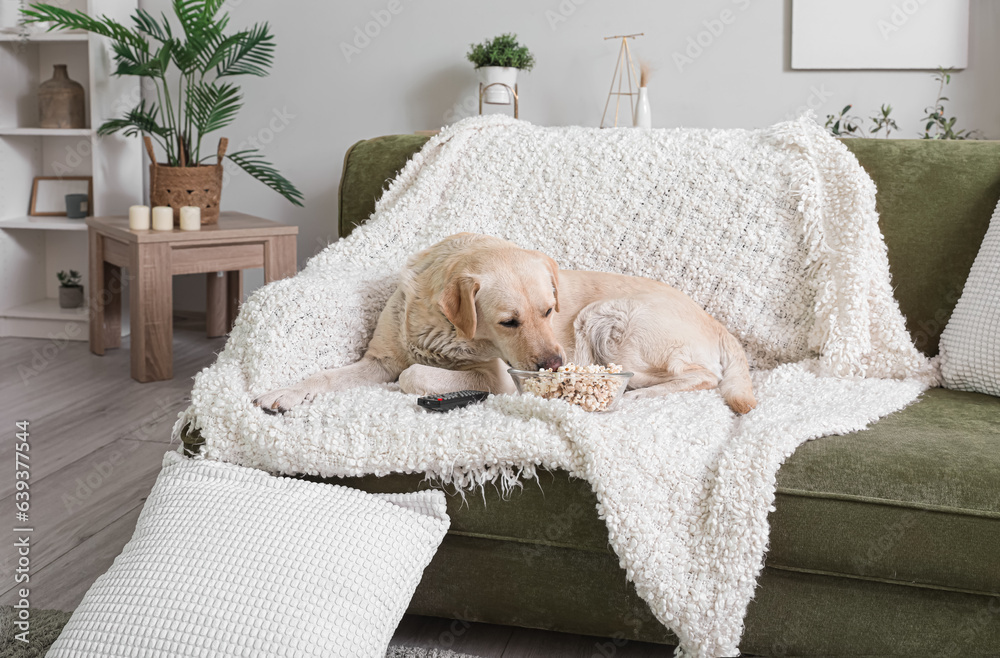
(554, 271)
(458, 303)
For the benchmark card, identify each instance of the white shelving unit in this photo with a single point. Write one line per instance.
(45, 132)
(33, 249)
(45, 36)
(42, 223)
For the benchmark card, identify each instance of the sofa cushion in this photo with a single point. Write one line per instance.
(914, 500)
(970, 344)
(267, 566)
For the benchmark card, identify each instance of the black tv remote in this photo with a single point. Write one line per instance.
(449, 401)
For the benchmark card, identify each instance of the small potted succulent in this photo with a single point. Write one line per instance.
(498, 61)
(70, 289)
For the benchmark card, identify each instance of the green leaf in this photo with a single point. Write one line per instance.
(220, 49)
(145, 23)
(202, 31)
(140, 118)
(212, 106)
(132, 61)
(503, 50)
(137, 120)
(253, 53)
(64, 19)
(252, 163)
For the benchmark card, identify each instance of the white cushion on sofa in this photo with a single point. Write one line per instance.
(970, 344)
(229, 561)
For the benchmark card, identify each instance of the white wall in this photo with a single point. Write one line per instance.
(413, 75)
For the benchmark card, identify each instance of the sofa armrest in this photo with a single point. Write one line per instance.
(369, 166)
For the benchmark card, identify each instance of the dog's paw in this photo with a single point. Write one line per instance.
(414, 381)
(642, 394)
(281, 400)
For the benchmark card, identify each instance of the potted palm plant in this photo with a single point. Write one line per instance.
(498, 60)
(195, 99)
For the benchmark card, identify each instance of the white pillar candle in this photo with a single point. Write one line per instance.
(190, 218)
(163, 218)
(138, 218)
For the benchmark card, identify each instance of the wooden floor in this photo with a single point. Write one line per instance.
(97, 439)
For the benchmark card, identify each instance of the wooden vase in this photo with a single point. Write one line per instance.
(60, 101)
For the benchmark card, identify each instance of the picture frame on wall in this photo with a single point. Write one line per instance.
(48, 194)
(880, 34)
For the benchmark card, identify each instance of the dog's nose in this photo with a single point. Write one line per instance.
(551, 363)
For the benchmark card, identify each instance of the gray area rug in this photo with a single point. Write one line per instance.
(412, 652)
(47, 624)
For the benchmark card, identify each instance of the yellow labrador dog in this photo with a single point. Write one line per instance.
(470, 303)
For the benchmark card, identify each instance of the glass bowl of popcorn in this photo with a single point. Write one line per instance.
(593, 388)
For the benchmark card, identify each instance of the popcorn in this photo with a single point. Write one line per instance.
(584, 386)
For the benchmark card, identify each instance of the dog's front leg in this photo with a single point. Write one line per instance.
(489, 376)
(365, 372)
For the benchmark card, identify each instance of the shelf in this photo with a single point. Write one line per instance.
(41, 37)
(47, 309)
(46, 132)
(44, 223)
(34, 248)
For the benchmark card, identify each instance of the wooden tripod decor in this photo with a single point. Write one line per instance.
(624, 61)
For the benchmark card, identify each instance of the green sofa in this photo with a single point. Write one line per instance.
(883, 542)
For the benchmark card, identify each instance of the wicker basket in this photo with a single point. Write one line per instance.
(200, 185)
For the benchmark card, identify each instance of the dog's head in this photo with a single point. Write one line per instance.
(500, 294)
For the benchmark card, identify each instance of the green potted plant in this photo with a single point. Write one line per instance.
(70, 289)
(194, 97)
(498, 60)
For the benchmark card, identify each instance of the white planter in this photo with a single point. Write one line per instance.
(643, 118)
(498, 95)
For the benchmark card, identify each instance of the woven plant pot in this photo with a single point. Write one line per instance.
(176, 187)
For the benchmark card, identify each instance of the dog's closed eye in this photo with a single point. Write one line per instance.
(548, 312)
(512, 323)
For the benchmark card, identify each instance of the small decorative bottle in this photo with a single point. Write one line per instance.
(643, 119)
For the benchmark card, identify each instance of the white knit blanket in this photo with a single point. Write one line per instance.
(774, 232)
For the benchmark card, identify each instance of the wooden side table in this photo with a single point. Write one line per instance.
(237, 242)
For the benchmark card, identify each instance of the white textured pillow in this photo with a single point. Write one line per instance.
(230, 561)
(970, 344)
